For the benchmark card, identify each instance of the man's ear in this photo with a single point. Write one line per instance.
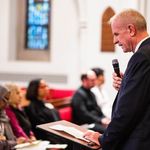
(131, 29)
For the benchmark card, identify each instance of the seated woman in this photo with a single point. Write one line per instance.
(38, 111)
(7, 138)
(19, 121)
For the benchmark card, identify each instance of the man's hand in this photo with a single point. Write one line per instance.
(117, 81)
(92, 136)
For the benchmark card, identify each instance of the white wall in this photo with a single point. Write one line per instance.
(75, 41)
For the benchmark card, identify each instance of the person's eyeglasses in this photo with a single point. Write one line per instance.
(43, 86)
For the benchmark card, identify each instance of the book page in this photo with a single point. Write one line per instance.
(70, 130)
(39, 145)
(29, 145)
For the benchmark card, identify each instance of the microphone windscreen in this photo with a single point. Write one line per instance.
(115, 64)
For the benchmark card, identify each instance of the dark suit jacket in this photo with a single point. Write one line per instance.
(85, 108)
(130, 125)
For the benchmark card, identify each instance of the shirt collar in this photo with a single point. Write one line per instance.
(138, 45)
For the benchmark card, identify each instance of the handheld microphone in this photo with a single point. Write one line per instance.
(115, 64)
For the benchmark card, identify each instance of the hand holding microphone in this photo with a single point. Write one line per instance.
(117, 76)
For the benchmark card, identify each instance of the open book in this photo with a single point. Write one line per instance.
(70, 130)
(39, 145)
(27, 144)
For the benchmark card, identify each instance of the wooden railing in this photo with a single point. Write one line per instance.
(61, 102)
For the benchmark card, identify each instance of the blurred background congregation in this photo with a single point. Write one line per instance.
(47, 48)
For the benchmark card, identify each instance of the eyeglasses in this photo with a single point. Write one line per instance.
(43, 86)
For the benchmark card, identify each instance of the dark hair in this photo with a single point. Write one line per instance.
(32, 89)
(98, 71)
(83, 76)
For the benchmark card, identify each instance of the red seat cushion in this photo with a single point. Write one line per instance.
(66, 113)
(59, 93)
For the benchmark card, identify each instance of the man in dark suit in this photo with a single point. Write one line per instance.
(84, 105)
(129, 128)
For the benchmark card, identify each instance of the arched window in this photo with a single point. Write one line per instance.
(107, 37)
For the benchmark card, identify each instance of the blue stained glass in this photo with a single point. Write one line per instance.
(38, 37)
(31, 1)
(38, 13)
(37, 24)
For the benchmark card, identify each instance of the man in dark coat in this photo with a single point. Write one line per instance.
(129, 128)
(85, 107)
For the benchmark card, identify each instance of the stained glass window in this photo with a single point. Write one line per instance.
(37, 24)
